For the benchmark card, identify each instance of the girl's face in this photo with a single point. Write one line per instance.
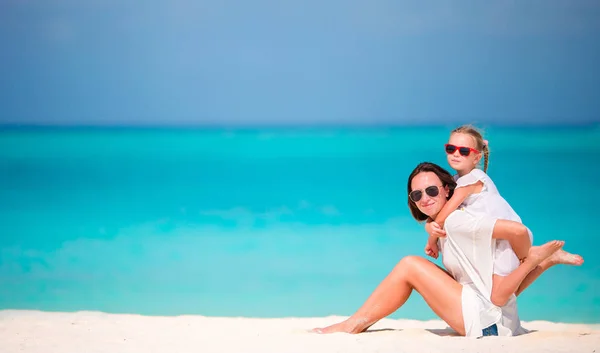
(463, 155)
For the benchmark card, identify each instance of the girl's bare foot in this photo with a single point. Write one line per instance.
(537, 254)
(564, 258)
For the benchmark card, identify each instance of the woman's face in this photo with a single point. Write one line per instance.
(423, 186)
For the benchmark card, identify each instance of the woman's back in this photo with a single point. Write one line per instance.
(468, 254)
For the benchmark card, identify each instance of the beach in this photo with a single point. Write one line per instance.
(242, 241)
(214, 176)
(37, 331)
(159, 221)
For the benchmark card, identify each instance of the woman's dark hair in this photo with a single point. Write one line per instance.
(445, 177)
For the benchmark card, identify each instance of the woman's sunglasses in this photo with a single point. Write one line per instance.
(464, 151)
(431, 191)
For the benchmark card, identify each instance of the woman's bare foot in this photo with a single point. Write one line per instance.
(339, 327)
(563, 258)
(347, 326)
(537, 254)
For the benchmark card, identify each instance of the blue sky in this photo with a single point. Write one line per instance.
(299, 62)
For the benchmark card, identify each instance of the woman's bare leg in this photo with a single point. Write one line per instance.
(441, 292)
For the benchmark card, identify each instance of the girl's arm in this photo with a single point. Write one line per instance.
(460, 194)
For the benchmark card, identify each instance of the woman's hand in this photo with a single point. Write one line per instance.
(431, 249)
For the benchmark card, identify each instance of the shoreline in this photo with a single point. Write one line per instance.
(11, 312)
(92, 331)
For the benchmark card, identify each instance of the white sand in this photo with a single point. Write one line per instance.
(82, 332)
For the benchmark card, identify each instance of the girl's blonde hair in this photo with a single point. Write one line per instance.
(479, 141)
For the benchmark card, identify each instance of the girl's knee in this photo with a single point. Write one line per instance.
(499, 300)
(524, 236)
(516, 232)
(522, 231)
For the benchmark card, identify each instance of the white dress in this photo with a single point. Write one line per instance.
(490, 203)
(468, 254)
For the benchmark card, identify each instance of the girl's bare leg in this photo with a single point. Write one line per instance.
(504, 286)
(560, 257)
(441, 292)
(517, 235)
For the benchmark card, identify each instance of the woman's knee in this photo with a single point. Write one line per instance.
(408, 264)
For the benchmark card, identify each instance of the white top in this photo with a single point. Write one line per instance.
(468, 254)
(489, 203)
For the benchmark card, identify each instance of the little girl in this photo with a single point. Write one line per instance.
(514, 257)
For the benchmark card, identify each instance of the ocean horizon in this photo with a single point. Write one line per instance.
(265, 221)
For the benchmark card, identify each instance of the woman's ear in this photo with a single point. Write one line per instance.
(447, 190)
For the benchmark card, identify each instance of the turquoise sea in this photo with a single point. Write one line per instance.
(269, 222)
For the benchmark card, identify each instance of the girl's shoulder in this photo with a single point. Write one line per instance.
(479, 173)
(472, 177)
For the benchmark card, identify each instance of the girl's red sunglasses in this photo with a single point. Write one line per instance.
(464, 151)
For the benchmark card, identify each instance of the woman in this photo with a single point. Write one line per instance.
(460, 297)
